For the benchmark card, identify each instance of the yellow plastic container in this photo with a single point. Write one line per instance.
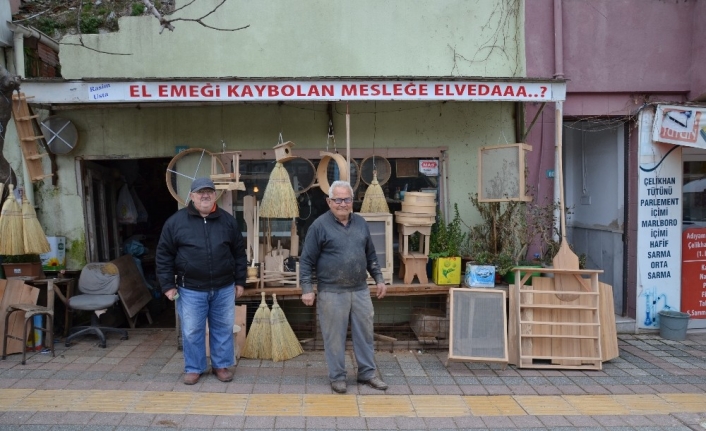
(446, 271)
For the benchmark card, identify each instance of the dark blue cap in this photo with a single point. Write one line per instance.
(202, 183)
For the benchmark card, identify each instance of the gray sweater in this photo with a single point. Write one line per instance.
(339, 254)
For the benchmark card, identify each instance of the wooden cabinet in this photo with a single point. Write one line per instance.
(380, 225)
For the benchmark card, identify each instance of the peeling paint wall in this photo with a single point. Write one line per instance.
(313, 38)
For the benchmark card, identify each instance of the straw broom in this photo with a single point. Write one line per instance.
(285, 344)
(11, 226)
(35, 240)
(258, 344)
(279, 200)
(374, 200)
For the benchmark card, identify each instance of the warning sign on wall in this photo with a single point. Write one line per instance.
(429, 168)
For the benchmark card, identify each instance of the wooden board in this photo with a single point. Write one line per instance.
(133, 291)
(478, 326)
(407, 168)
(15, 291)
(609, 332)
(240, 319)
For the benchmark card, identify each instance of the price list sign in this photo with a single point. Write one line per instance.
(693, 275)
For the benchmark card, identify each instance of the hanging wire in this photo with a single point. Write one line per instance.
(375, 129)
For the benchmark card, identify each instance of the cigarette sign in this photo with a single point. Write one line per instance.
(429, 168)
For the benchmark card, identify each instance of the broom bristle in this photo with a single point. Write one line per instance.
(35, 240)
(279, 200)
(258, 344)
(11, 226)
(285, 344)
(374, 200)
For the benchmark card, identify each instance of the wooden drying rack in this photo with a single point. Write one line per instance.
(555, 329)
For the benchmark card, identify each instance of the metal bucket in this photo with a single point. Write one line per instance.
(672, 325)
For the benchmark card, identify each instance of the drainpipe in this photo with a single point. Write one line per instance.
(558, 40)
(20, 32)
(559, 112)
(34, 33)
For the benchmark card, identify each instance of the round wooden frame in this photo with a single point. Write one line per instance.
(313, 177)
(379, 160)
(181, 155)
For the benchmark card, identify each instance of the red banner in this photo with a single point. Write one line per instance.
(693, 274)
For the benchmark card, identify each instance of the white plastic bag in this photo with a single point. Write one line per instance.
(127, 212)
(142, 214)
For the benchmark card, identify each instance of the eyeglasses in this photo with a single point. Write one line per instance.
(339, 201)
(205, 192)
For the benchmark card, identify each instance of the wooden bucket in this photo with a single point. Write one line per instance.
(419, 198)
(412, 219)
(428, 209)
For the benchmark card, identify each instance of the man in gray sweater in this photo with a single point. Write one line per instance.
(338, 246)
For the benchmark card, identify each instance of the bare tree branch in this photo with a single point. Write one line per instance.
(167, 23)
(163, 21)
(184, 7)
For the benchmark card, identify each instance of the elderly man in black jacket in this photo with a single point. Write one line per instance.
(201, 263)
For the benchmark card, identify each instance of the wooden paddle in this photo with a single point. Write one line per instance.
(565, 258)
(249, 216)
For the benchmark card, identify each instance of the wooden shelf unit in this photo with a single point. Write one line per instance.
(555, 329)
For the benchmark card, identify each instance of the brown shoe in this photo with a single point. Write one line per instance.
(339, 386)
(375, 383)
(191, 378)
(223, 374)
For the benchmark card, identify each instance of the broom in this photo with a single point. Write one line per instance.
(11, 226)
(35, 240)
(285, 344)
(258, 344)
(374, 200)
(279, 200)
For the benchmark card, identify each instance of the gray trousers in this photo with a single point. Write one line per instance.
(334, 311)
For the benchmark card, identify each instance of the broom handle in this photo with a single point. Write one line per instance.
(348, 141)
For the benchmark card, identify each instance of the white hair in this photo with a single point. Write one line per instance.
(339, 184)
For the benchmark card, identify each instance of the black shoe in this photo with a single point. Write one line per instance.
(375, 383)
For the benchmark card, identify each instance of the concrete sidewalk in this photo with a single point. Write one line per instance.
(136, 384)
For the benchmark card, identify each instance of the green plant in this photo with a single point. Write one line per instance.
(90, 24)
(503, 229)
(48, 25)
(447, 239)
(504, 263)
(137, 9)
(21, 258)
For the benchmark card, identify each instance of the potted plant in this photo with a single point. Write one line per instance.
(22, 265)
(445, 249)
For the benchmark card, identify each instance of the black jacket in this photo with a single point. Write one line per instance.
(203, 252)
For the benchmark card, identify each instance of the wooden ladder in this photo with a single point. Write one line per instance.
(24, 123)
